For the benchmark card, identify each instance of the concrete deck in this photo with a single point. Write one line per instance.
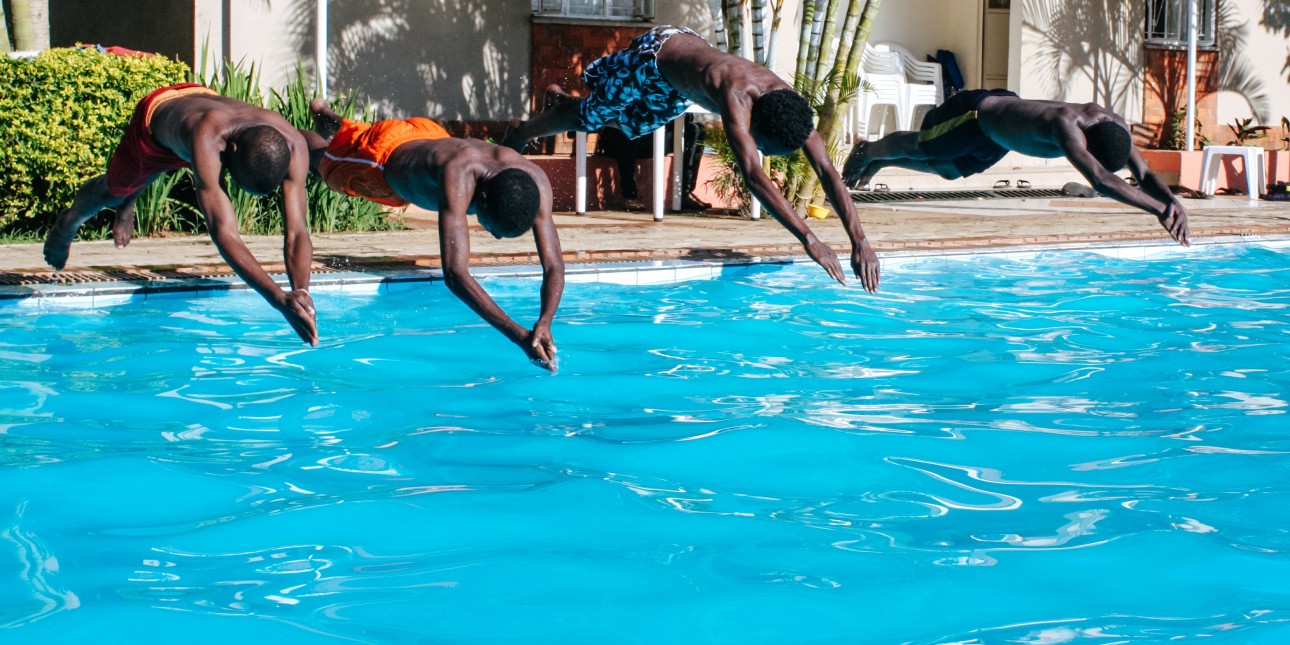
(620, 236)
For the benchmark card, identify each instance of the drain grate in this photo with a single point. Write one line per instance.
(870, 196)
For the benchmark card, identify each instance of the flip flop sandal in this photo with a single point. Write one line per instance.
(1183, 191)
(1002, 184)
(1131, 181)
(881, 188)
(1023, 184)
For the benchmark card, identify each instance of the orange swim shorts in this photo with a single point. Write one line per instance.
(354, 163)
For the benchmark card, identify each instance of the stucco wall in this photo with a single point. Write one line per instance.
(1262, 42)
(1067, 58)
(907, 23)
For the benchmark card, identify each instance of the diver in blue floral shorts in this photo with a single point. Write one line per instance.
(661, 73)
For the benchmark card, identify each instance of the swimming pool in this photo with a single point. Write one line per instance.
(1045, 449)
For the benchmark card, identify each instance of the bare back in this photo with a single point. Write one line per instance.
(179, 123)
(713, 78)
(1037, 128)
(422, 171)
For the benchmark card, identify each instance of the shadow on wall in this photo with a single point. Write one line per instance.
(1102, 41)
(1097, 40)
(1276, 19)
(447, 59)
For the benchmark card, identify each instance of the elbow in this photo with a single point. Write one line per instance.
(454, 280)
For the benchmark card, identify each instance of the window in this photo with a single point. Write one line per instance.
(604, 9)
(1167, 22)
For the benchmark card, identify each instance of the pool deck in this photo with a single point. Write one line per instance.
(896, 228)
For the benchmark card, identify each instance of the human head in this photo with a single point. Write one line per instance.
(508, 202)
(781, 122)
(1109, 143)
(259, 159)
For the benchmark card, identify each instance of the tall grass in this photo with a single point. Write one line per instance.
(329, 211)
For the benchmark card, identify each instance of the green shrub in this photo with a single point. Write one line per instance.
(63, 113)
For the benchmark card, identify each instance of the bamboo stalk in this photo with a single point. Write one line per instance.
(804, 37)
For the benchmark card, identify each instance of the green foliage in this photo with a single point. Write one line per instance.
(329, 211)
(63, 113)
(1178, 134)
(1244, 132)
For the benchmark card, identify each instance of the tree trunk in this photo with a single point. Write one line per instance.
(5, 44)
(817, 26)
(804, 36)
(776, 13)
(807, 191)
(735, 26)
(718, 24)
(30, 24)
(759, 31)
(838, 69)
(824, 59)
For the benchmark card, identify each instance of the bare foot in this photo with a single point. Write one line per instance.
(123, 226)
(58, 244)
(853, 173)
(326, 121)
(514, 138)
(556, 94)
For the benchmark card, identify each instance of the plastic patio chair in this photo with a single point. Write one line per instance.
(923, 84)
(886, 78)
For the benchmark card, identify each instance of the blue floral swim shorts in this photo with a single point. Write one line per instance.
(627, 89)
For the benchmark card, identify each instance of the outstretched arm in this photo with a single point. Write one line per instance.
(552, 259)
(298, 248)
(454, 246)
(221, 222)
(1151, 195)
(864, 262)
(744, 149)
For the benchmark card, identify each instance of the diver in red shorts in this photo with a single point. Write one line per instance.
(189, 125)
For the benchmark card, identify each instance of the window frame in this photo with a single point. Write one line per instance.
(640, 10)
(1178, 12)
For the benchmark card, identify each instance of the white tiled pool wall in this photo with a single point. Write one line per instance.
(624, 273)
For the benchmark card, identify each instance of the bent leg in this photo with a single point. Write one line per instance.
(326, 121)
(90, 199)
(562, 117)
(123, 223)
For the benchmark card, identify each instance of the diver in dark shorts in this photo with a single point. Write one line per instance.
(974, 129)
(666, 69)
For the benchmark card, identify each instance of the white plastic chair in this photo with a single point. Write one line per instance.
(924, 86)
(886, 79)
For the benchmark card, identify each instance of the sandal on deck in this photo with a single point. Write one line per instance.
(1023, 184)
(1002, 184)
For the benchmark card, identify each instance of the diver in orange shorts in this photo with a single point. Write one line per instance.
(414, 161)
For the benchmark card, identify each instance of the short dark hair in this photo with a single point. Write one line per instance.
(782, 120)
(1109, 143)
(260, 159)
(511, 199)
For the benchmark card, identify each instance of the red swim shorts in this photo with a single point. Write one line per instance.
(354, 163)
(139, 157)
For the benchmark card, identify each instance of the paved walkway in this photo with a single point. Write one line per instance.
(619, 236)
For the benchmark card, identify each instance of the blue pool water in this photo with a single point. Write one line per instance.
(1052, 449)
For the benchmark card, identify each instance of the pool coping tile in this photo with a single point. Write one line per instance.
(635, 272)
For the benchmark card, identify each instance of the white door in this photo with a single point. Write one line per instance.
(994, 44)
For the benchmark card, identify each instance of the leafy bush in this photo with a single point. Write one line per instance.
(63, 113)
